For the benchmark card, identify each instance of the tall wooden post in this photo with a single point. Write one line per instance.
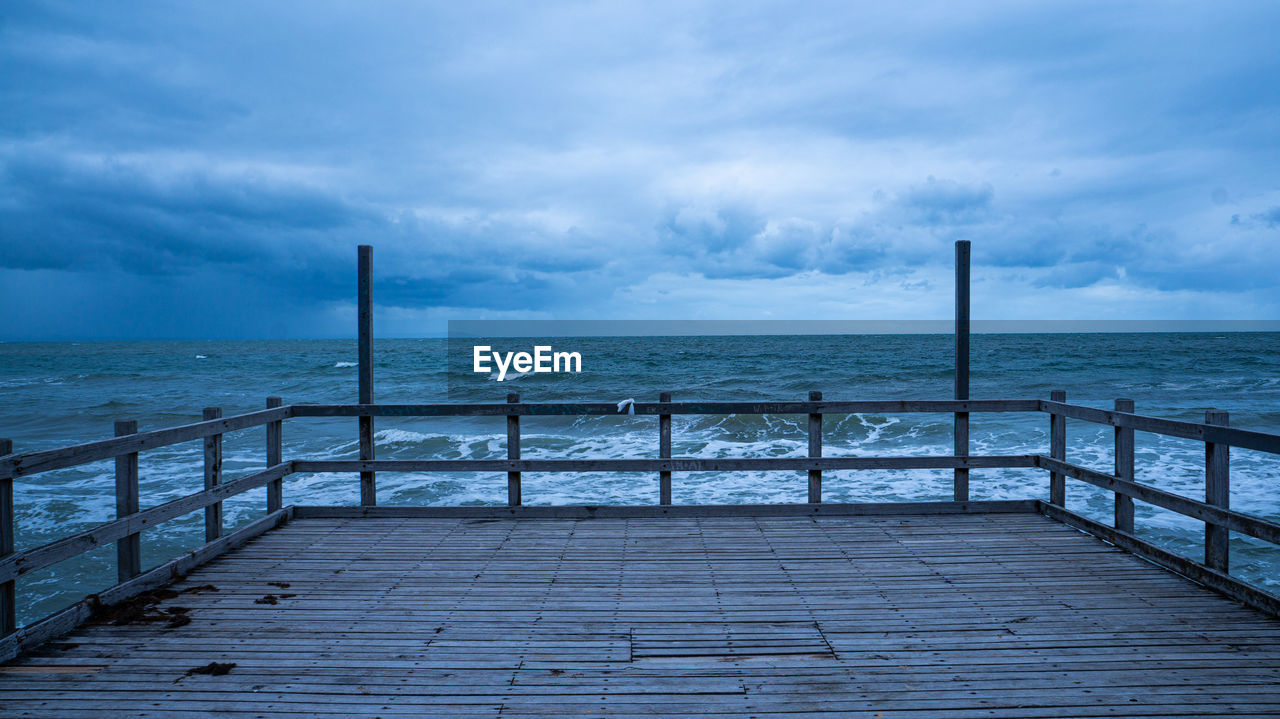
(960, 490)
(8, 593)
(368, 480)
(128, 549)
(664, 451)
(212, 477)
(1217, 491)
(1058, 450)
(815, 450)
(275, 455)
(1124, 468)
(513, 452)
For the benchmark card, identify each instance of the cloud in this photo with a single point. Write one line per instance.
(1270, 218)
(565, 159)
(943, 202)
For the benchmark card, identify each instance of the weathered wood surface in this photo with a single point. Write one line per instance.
(129, 547)
(23, 465)
(8, 597)
(934, 616)
(275, 455)
(212, 477)
(1231, 519)
(1250, 594)
(552, 409)
(513, 452)
(364, 312)
(960, 424)
(60, 623)
(1243, 438)
(1057, 451)
(664, 451)
(815, 451)
(678, 464)
(615, 511)
(1217, 492)
(1124, 469)
(16, 565)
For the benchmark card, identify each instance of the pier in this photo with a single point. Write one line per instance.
(944, 608)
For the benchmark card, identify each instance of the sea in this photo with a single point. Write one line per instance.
(58, 394)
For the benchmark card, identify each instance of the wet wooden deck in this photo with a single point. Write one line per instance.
(950, 615)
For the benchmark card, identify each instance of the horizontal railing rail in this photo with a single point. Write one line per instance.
(1219, 518)
(1249, 524)
(23, 465)
(1218, 434)
(663, 408)
(674, 464)
(16, 565)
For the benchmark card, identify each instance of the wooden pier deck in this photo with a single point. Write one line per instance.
(1008, 614)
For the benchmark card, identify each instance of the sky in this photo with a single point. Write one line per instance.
(206, 170)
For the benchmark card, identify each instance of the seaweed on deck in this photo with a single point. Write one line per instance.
(213, 669)
(144, 608)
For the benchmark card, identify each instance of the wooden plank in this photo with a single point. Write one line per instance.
(1217, 492)
(275, 455)
(513, 453)
(1231, 519)
(680, 464)
(960, 423)
(21, 563)
(815, 450)
(212, 477)
(658, 408)
(1124, 469)
(129, 547)
(64, 621)
(802, 615)
(1212, 578)
(1057, 450)
(364, 312)
(688, 511)
(664, 450)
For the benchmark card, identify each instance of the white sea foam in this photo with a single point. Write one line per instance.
(202, 356)
(404, 436)
(510, 375)
(344, 364)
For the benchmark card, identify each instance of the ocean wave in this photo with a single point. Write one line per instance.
(345, 364)
(509, 376)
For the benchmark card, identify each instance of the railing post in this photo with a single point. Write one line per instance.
(1058, 450)
(8, 593)
(664, 451)
(364, 313)
(212, 477)
(1124, 468)
(513, 452)
(1217, 491)
(128, 549)
(275, 455)
(960, 488)
(815, 450)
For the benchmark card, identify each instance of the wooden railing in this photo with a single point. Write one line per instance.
(1214, 511)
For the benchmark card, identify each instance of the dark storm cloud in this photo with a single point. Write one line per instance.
(1271, 218)
(941, 202)
(669, 159)
(61, 214)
